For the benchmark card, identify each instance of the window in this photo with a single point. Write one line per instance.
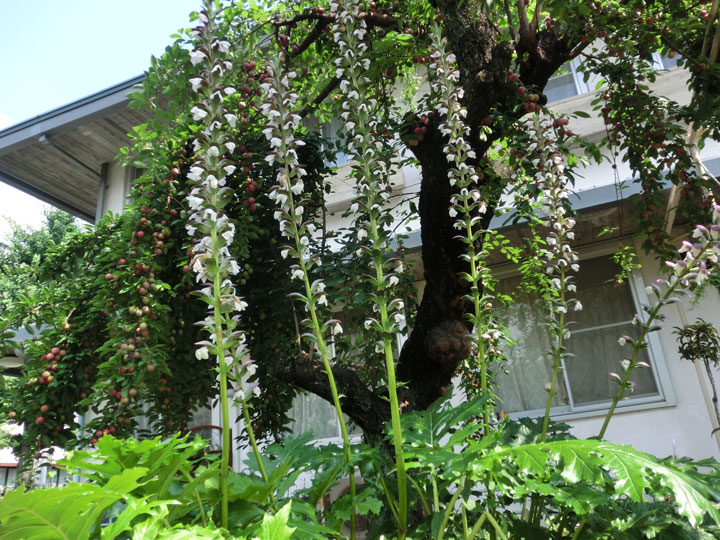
(331, 131)
(311, 412)
(664, 62)
(568, 82)
(8, 475)
(132, 173)
(584, 385)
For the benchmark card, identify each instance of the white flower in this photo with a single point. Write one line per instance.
(284, 253)
(394, 280)
(297, 273)
(198, 113)
(195, 83)
(337, 329)
(622, 341)
(196, 57)
(298, 187)
(202, 353)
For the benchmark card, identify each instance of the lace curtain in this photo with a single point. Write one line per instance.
(607, 311)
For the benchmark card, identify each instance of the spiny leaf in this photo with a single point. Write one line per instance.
(66, 513)
(275, 527)
(628, 472)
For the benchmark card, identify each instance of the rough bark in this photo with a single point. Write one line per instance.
(437, 345)
(366, 408)
(439, 340)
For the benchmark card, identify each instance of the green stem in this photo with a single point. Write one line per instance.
(433, 481)
(579, 529)
(478, 525)
(479, 345)
(652, 315)
(322, 349)
(390, 500)
(421, 494)
(451, 506)
(392, 384)
(464, 521)
(188, 478)
(557, 357)
(223, 369)
(253, 442)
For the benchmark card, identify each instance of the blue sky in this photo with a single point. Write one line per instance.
(53, 52)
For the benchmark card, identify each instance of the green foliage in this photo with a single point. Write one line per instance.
(113, 303)
(26, 260)
(70, 512)
(699, 341)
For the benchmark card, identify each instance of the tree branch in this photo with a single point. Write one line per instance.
(513, 34)
(366, 408)
(324, 93)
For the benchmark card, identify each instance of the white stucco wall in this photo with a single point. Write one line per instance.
(682, 428)
(115, 189)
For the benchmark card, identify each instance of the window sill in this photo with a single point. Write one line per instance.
(634, 405)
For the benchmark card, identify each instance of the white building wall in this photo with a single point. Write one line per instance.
(115, 189)
(683, 428)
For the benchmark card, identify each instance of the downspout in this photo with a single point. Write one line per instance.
(710, 49)
(100, 208)
(703, 383)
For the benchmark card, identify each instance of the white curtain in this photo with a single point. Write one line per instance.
(607, 311)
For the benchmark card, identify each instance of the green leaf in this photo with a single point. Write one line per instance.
(626, 471)
(68, 513)
(275, 527)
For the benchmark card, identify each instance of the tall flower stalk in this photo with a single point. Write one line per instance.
(212, 231)
(560, 260)
(698, 256)
(372, 189)
(280, 129)
(467, 203)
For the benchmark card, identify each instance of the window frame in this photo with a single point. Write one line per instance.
(353, 437)
(578, 79)
(665, 396)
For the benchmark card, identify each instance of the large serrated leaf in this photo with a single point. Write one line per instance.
(68, 513)
(275, 527)
(628, 472)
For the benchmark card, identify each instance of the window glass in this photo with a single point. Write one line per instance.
(607, 313)
(330, 130)
(560, 87)
(313, 413)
